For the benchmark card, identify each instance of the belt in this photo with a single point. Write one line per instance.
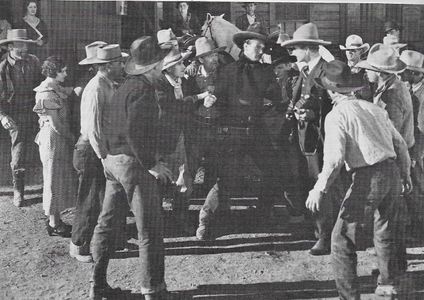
(205, 121)
(235, 130)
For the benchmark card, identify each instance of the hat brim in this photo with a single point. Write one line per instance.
(398, 68)
(8, 41)
(242, 36)
(219, 49)
(95, 60)
(365, 47)
(354, 85)
(304, 42)
(184, 56)
(284, 60)
(415, 69)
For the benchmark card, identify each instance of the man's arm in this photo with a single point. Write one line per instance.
(394, 109)
(96, 100)
(401, 150)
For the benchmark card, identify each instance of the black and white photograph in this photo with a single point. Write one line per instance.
(178, 150)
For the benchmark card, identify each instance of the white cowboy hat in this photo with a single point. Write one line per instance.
(16, 35)
(305, 34)
(354, 42)
(108, 53)
(145, 55)
(382, 58)
(166, 39)
(91, 52)
(414, 60)
(205, 46)
(173, 58)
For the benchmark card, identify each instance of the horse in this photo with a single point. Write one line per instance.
(221, 32)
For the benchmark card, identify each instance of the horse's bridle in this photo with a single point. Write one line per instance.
(208, 28)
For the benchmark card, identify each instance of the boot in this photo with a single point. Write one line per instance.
(321, 247)
(18, 189)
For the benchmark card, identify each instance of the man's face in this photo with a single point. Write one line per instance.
(281, 69)
(372, 76)
(407, 76)
(301, 53)
(116, 69)
(394, 32)
(353, 55)
(18, 49)
(177, 70)
(183, 8)
(250, 8)
(253, 49)
(210, 62)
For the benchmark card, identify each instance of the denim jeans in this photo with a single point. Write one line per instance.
(372, 203)
(123, 172)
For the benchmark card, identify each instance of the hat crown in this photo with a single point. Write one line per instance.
(382, 56)
(281, 55)
(109, 52)
(204, 45)
(307, 31)
(91, 49)
(13, 34)
(338, 72)
(145, 50)
(412, 58)
(354, 40)
(165, 35)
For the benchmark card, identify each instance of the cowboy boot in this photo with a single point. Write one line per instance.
(18, 189)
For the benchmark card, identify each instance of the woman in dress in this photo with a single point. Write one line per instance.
(36, 30)
(55, 143)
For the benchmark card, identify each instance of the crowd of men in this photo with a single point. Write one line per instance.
(366, 115)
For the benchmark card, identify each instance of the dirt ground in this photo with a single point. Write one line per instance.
(249, 261)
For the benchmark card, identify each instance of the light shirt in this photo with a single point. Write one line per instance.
(96, 94)
(416, 86)
(359, 134)
(202, 71)
(312, 63)
(251, 19)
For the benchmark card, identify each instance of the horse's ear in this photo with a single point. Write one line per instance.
(222, 15)
(208, 17)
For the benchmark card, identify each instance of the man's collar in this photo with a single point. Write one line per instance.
(313, 62)
(112, 84)
(385, 84)
(417, 86)
(12, 60)
(202, 71)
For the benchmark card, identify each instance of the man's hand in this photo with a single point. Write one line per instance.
(407, 185)
(40, 42)
(161, 172)
(315, 198)
(8, 123)
(202, 95)
(305, 115)
(209, 101)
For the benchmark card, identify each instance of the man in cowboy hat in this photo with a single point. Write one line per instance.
(90, 148)
(310, 104)
(250, 17)
(130, 166)
(201, 138)
(354, 49)
(360, 136)
(392, 35)
(414, 76)
(20, 72)
(241, 91)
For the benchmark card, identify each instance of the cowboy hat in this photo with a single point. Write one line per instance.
(305, 34)
(205, 46)
(145, 55)
(16, 35)
(166, 38)
(108, 53)
(187, 41)
(414, 60)
(390, 25)
(254, 31)
(173, 58)
(382, 58)
(91, 52)
(245, 4)
(280, 55)
(393, 42)
(277, 36)
(339, 78)
(354, 42)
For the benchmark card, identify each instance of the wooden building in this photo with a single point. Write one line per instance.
(73, 24)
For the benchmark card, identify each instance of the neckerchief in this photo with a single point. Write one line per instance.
(176, 84)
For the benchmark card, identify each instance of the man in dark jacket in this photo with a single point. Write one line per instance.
(245, 20)
(130, 124)
(310, 104)
(20, 72)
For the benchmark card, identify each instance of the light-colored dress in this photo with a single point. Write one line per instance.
(55, 143)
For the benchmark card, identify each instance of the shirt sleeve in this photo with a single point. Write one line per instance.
(394, 110)
(95, 136)
(334, 152)
(401, 150)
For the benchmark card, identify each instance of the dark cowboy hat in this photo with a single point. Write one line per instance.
(390, 25)
(339, 78)
(254, 31)
(188, 40)
(145, 55)
(247, 3)
(280, 55)
(16, 35)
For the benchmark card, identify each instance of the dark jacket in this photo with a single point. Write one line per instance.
(130, 121)
(18, 78)
(175, 115)
(193, 25)
(307, 95)
(243, 23)
(241, 90)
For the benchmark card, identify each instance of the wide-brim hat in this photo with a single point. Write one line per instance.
(307, 34)
(354, 42)
(145, 54)
(166, 39)
(205, 46)
(281, 55)
(173, 58)
(339, 78)
(254, 31)
(108, 53)
(414, 60)
(382, 58)
(91, 52)
(16, 35)
(390, 25)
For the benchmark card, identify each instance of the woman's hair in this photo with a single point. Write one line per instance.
(52, 66)
(27, 2)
